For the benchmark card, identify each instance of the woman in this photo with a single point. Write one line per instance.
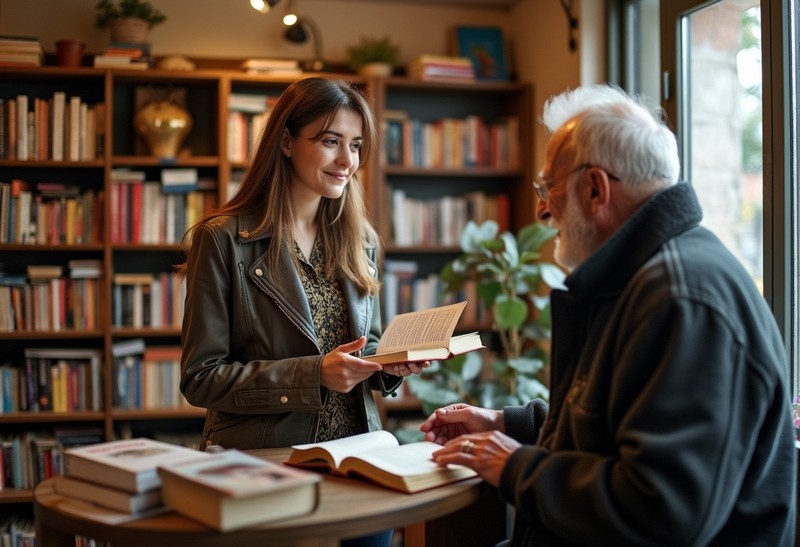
(282, 285)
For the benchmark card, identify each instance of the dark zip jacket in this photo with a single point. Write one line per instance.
(250, 354)
(670, 415)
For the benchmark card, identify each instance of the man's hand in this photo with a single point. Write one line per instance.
(454, 420)
(485, 452)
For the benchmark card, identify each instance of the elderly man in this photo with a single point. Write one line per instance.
(669, 420)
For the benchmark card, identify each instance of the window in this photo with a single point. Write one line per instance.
(727, 78)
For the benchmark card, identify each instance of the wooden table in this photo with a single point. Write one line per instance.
(465, 513)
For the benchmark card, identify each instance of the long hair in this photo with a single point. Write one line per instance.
(344, 230)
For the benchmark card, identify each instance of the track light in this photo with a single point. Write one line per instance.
(264, 6)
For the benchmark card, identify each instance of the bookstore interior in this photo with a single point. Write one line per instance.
(108, 156)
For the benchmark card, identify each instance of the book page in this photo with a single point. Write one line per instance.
(425, 328)
(403, 460)
(339, 449)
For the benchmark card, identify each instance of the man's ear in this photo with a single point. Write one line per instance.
(286, 143)
(598, 189)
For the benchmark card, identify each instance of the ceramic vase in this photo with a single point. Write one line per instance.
(163, 125)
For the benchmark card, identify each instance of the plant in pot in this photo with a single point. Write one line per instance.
(373, 56)
(512, 280)
(128, 20)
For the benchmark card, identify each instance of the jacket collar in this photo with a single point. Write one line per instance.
(245, 225)
(665, 215)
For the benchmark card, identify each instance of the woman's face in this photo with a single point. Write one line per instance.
(323, 166)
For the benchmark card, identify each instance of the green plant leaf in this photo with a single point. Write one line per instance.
(526, 365)
(533, 236)
(552, 275)
(473, 366)
(510, 251)
(509, 312)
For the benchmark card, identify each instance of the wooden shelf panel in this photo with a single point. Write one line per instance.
(45, 417)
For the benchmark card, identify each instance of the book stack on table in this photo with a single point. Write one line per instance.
(118, 480)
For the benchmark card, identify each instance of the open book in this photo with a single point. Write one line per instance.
(378, 456)
(424, 335)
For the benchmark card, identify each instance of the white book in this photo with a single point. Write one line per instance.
(57, 138)
(129, 465)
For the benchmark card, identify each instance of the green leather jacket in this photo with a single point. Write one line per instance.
(249, 346)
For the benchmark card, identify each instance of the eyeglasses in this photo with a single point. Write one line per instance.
(542, 185)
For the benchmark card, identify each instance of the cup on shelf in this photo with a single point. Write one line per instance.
(69, 53)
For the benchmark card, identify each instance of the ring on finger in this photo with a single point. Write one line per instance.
(466, 446)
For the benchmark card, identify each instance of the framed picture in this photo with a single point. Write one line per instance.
(485, 47)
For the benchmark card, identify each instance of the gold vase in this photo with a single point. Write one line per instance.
(163, 125)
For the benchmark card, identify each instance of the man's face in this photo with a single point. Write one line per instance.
(563, 209)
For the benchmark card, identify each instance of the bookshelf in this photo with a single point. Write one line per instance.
(477, 174)
(210, 96)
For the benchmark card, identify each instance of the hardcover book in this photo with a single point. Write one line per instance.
(127, 464)
(106, 496)
(231, 489)
(425, 335)
(378, 457)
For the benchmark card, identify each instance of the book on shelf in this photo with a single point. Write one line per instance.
(378, 457)
(442, 68)
(128, 464)
(119, 61)
(273, 67)
(425, 335)
(107, 496)
(231, 489)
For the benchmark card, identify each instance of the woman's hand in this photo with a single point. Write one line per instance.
(406, 369)
(342, 371)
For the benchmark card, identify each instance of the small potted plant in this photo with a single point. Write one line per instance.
(513, 283)
(129, 20)
(373, 56)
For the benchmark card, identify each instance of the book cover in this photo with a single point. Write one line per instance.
(424, 336)
(378, 457)
(127, 464)
(106, 496)
(232, 489)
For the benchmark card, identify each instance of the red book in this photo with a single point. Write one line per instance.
(135, 225)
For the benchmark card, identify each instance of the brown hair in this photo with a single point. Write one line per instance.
(344, 228)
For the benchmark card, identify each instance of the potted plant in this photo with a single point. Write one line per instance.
(129, 20)
(373, 56)
(511, 278)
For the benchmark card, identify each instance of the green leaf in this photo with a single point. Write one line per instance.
(552, 275)
(509, 312)
(473, 366)
(533, 236)
(510, 251)
(526, 365)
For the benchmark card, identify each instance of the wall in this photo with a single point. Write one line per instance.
(536, 29)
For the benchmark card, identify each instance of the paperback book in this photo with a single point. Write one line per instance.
(425, 335)
(106, 496)
(129, 465)
(231, 489)
(378, 457)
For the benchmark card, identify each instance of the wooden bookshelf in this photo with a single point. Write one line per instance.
(207, 94)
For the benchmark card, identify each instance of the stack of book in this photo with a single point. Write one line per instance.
(273, 67)
(442, 68)
(20, 51)
(130, 55)
(119, 478)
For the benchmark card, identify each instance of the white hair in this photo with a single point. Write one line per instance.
(617, 132)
